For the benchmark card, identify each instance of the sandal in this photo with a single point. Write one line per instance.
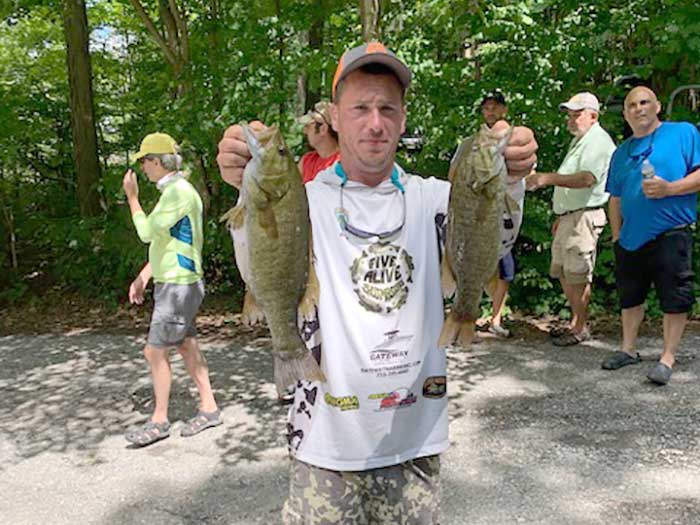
(498, 330)
(571, 339)
(201, 421)
(148, 433)
(620, 359)
(559, 331)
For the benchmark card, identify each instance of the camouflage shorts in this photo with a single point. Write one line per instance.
(407, 493)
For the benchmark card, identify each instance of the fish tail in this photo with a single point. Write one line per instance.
(450, 330)
(455, 330)
(303, 367)
(467, 331)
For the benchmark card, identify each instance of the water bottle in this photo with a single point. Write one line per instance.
(648, 171)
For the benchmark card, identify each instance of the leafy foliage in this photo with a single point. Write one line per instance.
(247, 59)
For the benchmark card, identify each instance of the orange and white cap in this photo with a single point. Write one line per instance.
(371, 53)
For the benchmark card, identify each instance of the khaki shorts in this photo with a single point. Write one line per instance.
(574, 245)
(404, 494)
(174, 313)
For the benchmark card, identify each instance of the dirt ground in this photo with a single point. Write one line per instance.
(539, 434)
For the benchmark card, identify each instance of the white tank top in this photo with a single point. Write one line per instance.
(379, 318)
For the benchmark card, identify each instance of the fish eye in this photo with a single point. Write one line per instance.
(282, 151)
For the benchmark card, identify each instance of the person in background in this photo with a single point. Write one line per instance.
(323, 140)
(578, 202)
(493, 109)
(653, 183)
(173, 231)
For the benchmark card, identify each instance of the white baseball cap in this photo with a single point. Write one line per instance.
(583, 100)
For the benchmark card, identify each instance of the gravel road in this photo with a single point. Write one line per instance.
(539, 435)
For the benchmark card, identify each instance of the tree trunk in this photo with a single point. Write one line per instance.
(280, 58)
(313, 79)
(85, 158)
(370, 13)
(175, 46)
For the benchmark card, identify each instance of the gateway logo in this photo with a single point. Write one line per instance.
(393, 349)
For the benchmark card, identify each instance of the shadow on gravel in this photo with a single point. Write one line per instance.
(540, 433)
(230, 497)
(60, 395)
(70, 392)
(554, 428)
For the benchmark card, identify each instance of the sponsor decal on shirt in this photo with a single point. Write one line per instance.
(393, 370)
(380, 277)
(393, 349)
(390, 356)
(343, 402)
(399, 398)
(435, 387)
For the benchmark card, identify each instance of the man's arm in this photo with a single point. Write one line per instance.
(615, 217)
(581, 179)
(658, 188)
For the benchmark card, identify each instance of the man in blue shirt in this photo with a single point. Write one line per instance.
(650, 216)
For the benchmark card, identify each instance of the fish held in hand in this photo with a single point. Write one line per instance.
(274, 213)
(473, 237)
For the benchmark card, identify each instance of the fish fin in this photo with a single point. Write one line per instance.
(467, 332)
(490, 287)
(450, 329)
(447, 279)
(235, 217)
(252, 314)
(307, 306)
(303, 367)
(459, 156)
(512, 206)
(453, 169)
(268, 222)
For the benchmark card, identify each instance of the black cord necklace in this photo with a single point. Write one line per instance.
(646, 153)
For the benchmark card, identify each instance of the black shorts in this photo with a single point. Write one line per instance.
(665, 261)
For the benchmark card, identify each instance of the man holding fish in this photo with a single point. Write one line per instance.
(365, 440)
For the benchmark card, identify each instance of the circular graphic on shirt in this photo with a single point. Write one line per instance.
(380, 277)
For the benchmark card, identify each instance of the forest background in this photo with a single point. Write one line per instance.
(81, 83)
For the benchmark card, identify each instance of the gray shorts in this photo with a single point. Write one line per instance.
(174, 313)
(405, 494)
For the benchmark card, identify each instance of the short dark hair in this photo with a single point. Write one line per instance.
(373, 68)
(496, 96)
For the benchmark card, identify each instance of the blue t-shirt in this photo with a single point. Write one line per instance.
(674, 151)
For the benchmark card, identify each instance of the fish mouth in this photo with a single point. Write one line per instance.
(258, 141)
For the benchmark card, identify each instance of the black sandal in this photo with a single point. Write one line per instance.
(559, 331)
(148, 433)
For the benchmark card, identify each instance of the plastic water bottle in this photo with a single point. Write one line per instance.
(648, 171)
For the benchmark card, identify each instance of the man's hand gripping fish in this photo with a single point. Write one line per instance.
(473, 228)
(274, 213)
